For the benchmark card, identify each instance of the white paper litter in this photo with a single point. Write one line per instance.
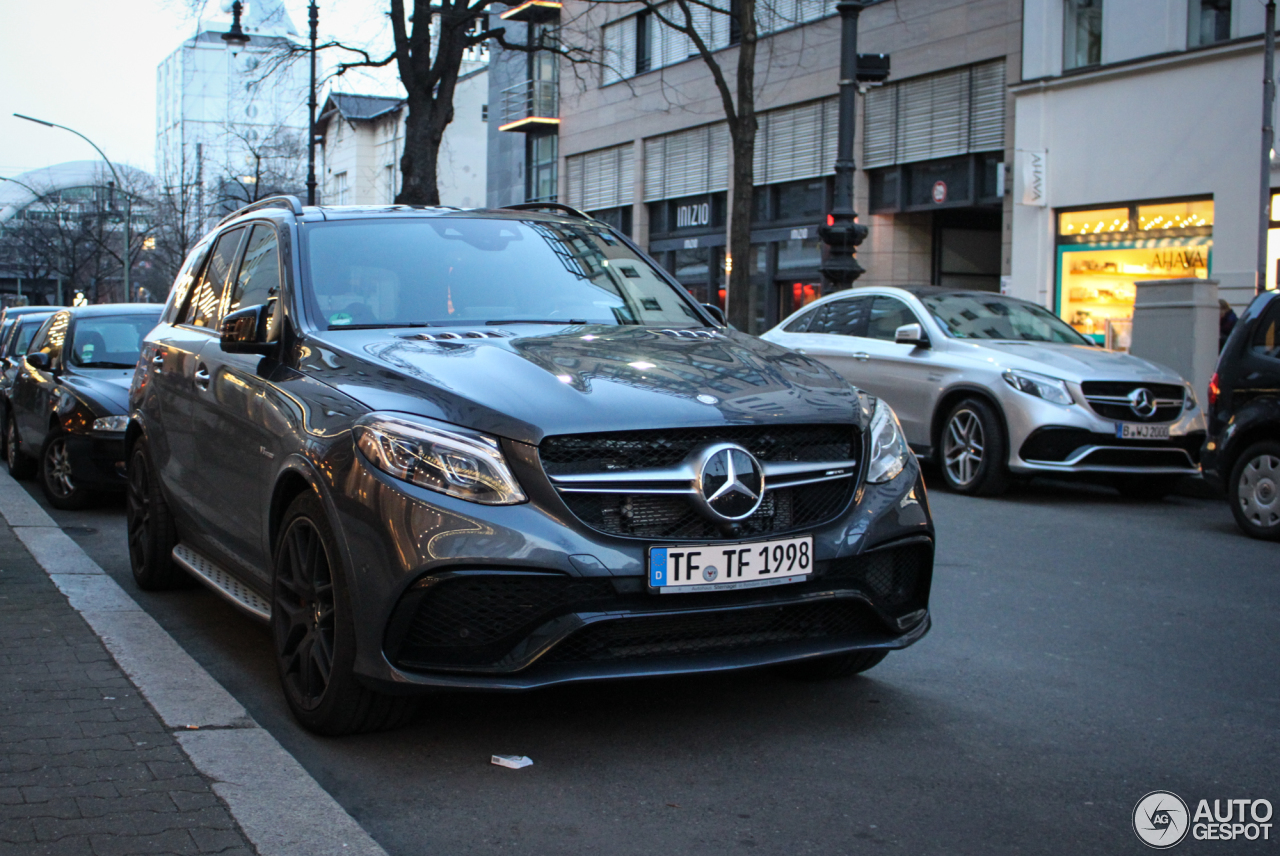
(515, 762)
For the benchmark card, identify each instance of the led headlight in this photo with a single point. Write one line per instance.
(452, 460)
(1190, 402)
(888, 447)
(1048, 388)
(111, 423)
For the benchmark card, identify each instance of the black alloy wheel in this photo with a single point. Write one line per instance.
(833, 666)
(1254, 491)
(972, 452)
(20, 466)
(314, 635)
(56, 478)
(151, 532)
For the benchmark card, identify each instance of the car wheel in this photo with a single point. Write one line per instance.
(20, 466)
(1146, 487)
(1254, 491)
(56, 478)
(972, 455)
(152, 535)
(833, 666)
(314, 633)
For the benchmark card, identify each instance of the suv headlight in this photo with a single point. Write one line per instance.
(111, 423)
(461, 463)
(1048, 388)
(888, 447)
(1190, 402)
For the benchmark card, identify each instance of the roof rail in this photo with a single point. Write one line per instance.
(282, 201)
(547, 206)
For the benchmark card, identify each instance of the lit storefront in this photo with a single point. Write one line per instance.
(1103, 251)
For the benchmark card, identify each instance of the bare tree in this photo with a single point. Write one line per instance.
(273, 164)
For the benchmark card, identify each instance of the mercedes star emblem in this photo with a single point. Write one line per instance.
(1142, 402)
(729, 483)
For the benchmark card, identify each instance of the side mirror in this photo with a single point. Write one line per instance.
(717, 313)
(911, 334)
(39, 360)
(245, 330)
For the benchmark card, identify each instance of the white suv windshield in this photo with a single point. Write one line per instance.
(464, 270)
(981, 316)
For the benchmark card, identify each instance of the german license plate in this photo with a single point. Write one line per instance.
(1139, 431)
(730, 566)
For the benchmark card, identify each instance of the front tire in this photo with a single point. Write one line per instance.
(972, 452)
(1254, 491)
(20, 466)
(833, 666)
(152, 535)
(314, 632)
(56, 478)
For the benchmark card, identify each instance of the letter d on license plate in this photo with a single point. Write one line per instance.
(715, 567)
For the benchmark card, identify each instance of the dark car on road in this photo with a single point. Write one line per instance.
(68, 404)
(503, 450)
(1243, 448)
(18, 331)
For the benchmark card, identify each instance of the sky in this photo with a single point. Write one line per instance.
(91, 65)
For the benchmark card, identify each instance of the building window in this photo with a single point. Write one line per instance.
(644, 41)
(340, 190)
(389, 180)
(1082, 34)
(1208, 22)
(484, 112)
(540, 173)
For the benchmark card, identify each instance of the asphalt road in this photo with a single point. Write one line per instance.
(1086, 650)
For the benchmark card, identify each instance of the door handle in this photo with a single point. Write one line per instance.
(862, 356)
(202, 377)
(158, 361)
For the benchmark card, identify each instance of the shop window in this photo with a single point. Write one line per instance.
(1175, 215)
(1095, 222)
(797, 295)
(1082, 34)
(692, 264)
(799, 254)
(1208, 22)
(800, 200)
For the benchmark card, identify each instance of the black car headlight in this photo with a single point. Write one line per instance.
(889, 448)
(452, 460)
(111, 424)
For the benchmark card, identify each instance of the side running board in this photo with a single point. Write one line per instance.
(222, 582)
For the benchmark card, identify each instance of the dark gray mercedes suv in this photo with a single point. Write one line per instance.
(501, 450)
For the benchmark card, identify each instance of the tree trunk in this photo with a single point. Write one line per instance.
(742, 132)
(418, 164)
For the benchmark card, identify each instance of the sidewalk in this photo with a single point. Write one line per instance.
(86, 766)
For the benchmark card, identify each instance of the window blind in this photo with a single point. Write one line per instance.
(602, 179)
(687, 163)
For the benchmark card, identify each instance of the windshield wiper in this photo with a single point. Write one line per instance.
(534, 321)
(105, 365)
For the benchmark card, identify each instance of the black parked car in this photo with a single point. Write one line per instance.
(502, 449)
(1243, 448)
(18, 330)
(67, 406)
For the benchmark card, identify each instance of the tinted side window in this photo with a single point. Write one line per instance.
(202, 306)
(21, 340)
(1266, 337)
(183, 282)
(259, 279)
(52, 336)
(842, 317)
(887, 315)
(801, 324)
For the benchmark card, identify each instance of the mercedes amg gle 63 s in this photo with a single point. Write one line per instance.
(502, 450)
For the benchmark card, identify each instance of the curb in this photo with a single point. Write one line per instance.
(282, 810)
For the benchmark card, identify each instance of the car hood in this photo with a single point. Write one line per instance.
(525, 383)
(1072, 362)
(108, 388)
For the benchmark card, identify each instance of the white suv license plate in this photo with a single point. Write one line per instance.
(721, 567)
(1139, 431)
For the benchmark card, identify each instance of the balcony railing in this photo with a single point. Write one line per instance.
(530, 106)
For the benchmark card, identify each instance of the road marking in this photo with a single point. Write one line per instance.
(281, 808)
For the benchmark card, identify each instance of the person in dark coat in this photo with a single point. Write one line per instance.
(1226, 322)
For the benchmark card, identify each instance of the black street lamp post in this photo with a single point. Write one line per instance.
(313, 17)
(1268, 143)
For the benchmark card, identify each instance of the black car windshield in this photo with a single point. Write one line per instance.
(467, 270)
(110, 341)
(983, 316)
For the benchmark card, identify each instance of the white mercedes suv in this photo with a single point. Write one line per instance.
(993, 387)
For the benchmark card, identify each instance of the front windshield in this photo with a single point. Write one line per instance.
(992, 316)
(445, 271)
(110, 341)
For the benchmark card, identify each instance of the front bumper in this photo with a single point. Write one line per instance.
(446, 593)
(97, 460)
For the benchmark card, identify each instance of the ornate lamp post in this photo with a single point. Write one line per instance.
(313, 18)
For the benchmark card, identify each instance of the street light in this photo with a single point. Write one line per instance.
(235, 37)
(313, 17)
(128, 205)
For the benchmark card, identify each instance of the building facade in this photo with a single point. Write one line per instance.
(1137, 128)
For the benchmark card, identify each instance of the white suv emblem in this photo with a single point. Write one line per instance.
(730, 481)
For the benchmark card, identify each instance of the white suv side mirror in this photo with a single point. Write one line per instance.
(911, 334)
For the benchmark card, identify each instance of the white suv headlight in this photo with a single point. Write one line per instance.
(888, 447)
(1041, 386)
(461, 463)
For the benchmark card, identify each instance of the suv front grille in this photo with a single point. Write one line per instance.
(1109, 399)
(665, 510)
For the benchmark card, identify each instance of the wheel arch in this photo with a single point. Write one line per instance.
(954, 396)
(291, 482)
(1254, 433)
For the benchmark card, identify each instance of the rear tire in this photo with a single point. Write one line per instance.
(56, 479)
(20, 466)
(1254, 491)
(833, 666)
(152, 535)
(971, 450)
(1146, 487)
(314, 634)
